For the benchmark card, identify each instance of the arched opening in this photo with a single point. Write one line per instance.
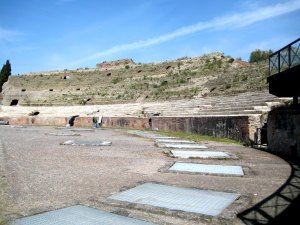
(23, 90)
(50, 89)
(14, 102)
(34, 113)
(168, 67)
(71, 120)
(109, 74)
(66, 77)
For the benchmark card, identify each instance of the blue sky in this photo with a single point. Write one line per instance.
(47, 35)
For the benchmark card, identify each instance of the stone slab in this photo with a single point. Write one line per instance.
(207, 169)
(205, 202)
(198, 154)
(78, 215)
(86, 143)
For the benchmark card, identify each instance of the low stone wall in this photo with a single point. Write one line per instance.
(126, 122)
(239, 128)
(37, 121)
(284, 131)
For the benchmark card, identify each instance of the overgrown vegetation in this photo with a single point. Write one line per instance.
(213, 74)
(259, 55)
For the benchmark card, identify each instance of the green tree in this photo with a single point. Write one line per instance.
(259, 55)
(5, 73)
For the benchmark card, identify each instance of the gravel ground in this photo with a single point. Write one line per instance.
(38, 174)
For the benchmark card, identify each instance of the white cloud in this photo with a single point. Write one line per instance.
(233, 21)
(8, 35)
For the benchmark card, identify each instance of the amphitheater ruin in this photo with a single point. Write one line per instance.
(71, 172)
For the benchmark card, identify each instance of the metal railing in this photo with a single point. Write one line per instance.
(285, 58)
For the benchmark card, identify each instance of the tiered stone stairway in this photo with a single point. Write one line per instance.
(249, 103)
(242, 104)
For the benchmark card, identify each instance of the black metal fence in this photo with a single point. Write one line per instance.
(285, 58)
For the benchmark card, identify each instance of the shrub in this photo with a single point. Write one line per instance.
(164, 83)
(259, 55)
(231, 60)
(116, 80)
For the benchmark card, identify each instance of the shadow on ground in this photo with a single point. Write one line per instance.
(282, 207)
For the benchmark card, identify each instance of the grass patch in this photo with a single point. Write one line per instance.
(199, 137)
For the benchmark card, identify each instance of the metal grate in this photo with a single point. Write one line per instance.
(178, 145)
(198, 154)
(87, 143)
(174, 141)
(150, 135)
(78, 215)
(62, 134)
(207, 169)
(175, 198)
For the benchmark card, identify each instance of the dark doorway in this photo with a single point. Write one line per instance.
(14, 102)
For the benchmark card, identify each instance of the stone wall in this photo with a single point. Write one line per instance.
(231, 127)
(115, 64)
(284, 131)
(238, 128)
(37, 121)
(126, 122)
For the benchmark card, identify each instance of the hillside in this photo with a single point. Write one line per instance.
(117, 82)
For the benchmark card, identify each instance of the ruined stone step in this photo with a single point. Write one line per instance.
(211, 109)
(242, 100)
(226, 113)
(231, 112)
